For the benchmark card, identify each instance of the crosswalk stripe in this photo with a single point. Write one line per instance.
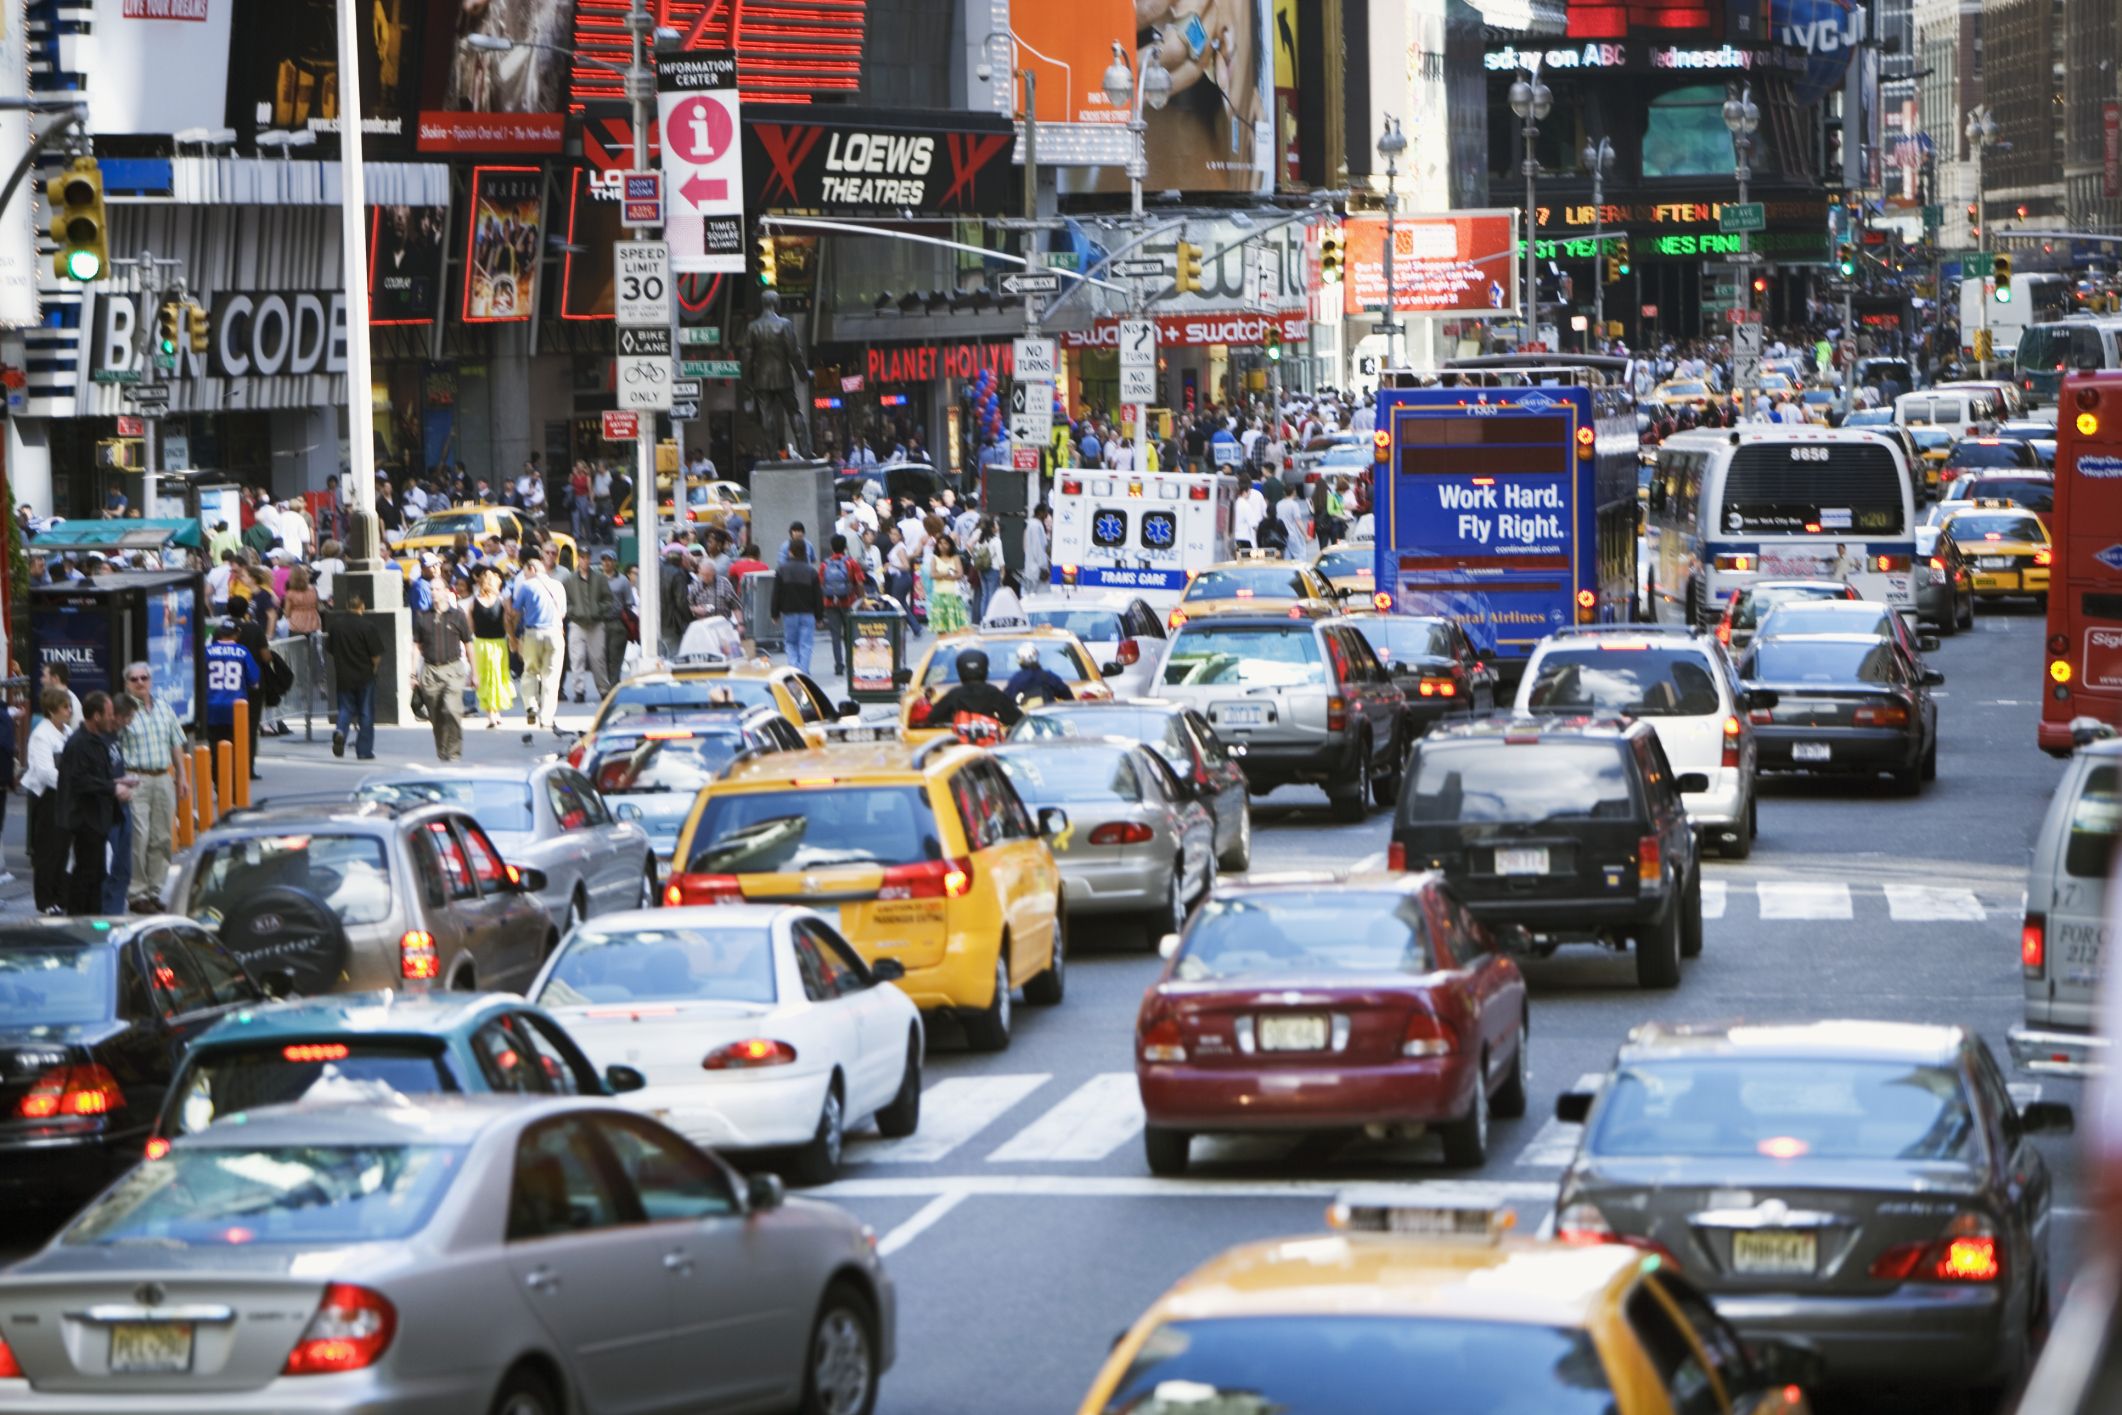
(1803, 899)
(952, 1112)
(1923, 903)
(1097, 1118)
(1715, 894)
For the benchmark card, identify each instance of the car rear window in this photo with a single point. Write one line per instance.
(1786, 1109)
(817, 827)
(638, 699)
(1361, 1365)
(2003, 452)
(309, 1195)
(1264, 656)
(1819, 661)
(662, 965)
(2089, 851)
(671, 764)
(1530, 781)
(1809, 619)
(349, 873)
(224, 1082)
(1056, 656)
(1611, 678)
(1337, 565)
(43, 984)
(1087, 774)
(497, 805)
(1754, 605)
(1092, 626)
(1398, 640)
(1306, 932)
(2033, 493)
(1972, 530)
(1247, 582)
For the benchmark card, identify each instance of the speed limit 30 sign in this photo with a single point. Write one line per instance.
(642, 288)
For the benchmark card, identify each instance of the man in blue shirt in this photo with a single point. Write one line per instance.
(231, 674)
(537, 611)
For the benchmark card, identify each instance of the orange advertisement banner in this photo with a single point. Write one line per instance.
(1464, 264)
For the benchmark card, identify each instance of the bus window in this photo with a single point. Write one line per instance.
(1815, 488)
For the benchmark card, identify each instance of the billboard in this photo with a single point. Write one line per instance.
(283, 71)
(404, 262)
(511, 100)
(871, 162)
(698, 118)
(138, 45)
(1461, 263)
(586, 284)
(501, 244)
(18, 224)
(792, 51)
(1215, 134)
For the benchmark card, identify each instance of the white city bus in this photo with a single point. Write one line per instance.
(1144, 532)
(1773, 501)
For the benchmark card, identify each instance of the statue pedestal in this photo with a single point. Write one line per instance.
(784, 493)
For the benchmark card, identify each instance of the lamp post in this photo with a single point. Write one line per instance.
(1530, 100)
(1598, 159)
(1981, 131)
(1391, 143)
(1742, 118)
(1132, 86)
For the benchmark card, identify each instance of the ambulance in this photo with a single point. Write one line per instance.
(1143, 532)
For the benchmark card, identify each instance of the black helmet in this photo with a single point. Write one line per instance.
(972, 666)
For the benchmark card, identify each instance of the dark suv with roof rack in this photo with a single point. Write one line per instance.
(1571, 829)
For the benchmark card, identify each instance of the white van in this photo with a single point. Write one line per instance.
(2063, 942)
(1963, 412)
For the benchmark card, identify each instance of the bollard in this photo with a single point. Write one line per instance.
(203, 786)
(242, 734)
(180, 835)
(224, 767)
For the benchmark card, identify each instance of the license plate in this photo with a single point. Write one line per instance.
(151, 1347)
(1773, 1251)
(1528, 860)
(1994, 562)
(1292, 1034)
(1241, 715)
(1810, 751)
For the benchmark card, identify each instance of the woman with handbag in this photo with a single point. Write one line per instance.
(490, 666)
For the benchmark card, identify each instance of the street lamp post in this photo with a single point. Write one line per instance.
(1530, 100)
(1391, 143)
(1981, 131)
(1131, 86)
(1742, 118)
(1598, 159)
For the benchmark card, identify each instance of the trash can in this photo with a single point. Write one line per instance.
(755, 592)
(876, 649)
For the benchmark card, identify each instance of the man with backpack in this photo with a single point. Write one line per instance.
(840, 581)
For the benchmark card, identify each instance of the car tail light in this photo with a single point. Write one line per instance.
(1396, 857)
(1882, 715)
(673, 896)
(1650, 859)
(1424, 1035)
(1968, 1251)
(157, 1148)
(1176, 619)
(351, 1330)
(10, 1368)
(1161, 1038)
(1121, 833)
(1888, 563)
(749, 1053)
(1731, 743)
(2033, 945)
(1129, 652)
(1583, 1223)
(1437, 688)
(1072, 487)
(1336, 714)
(932, 879)
(2044, 557)
(1937, 565)
(71, 1092)
(1760, 715)
(575, 753)
(315, 1051)
(1743, 564)
(417, 957)
(704, 889)
(1724, 629)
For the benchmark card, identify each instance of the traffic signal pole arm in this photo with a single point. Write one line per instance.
(72, 116)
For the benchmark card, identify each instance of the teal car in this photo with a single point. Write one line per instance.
(376, 1047)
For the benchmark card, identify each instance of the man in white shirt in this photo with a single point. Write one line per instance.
(294, 531)
(1247, 515)
(1120, 456)
(217, 580)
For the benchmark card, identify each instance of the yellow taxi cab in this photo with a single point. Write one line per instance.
(1685, 392)
(2007, 545)
(1251, 586)
(1060, 653)
(1936, 444)
(928, 855)
(439, 530)
(707, 680)
(1433, 1297)
(707, 503)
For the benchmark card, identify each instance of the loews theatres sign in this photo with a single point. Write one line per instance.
(859, 162)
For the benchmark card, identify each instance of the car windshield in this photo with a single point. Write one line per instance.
(1819, 661)
(497, 805)
(1499, 781)
(766, 832)
(226, 1081)
(723, 964)
(1615, 678)
(1052, 777)
(1361, 1365)
(1398, 640)
(1931, 439)
(308, 1195)
(1832, 619)
(2003, 452)
(1261, 656)
(687, 694)
(47, 983)
(2033, 493)
(1753, 605)
(1685, 390)
(449, 523)
(1786, 1109)
(1338, 565)
(1056, 656)
(1269, 581)
(347, 872)
(1971, 531)
(1305, 932)
(2095, 818)
(665, 764)
(1090, 624)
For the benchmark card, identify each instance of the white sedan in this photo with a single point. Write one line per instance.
(756, 1026)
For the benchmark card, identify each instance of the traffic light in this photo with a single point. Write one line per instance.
(1187, 275)
(1272, 339)
(1846, 260)
(1613, 269)
(1760, 284)
(196, 317)
(2003, 271)
(75, 197)
(169, 329)
(1624, 258)
(769, 263)
(1331, 254)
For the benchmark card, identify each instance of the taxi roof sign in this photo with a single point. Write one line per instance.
(1414, 1213)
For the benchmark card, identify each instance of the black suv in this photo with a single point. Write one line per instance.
(1572, 830)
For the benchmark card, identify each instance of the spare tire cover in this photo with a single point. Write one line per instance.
(291, 931)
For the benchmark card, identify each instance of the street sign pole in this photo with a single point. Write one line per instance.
(641, 88)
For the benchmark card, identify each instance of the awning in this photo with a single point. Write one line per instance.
(126, 534)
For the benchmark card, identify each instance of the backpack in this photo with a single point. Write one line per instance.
(838, 579)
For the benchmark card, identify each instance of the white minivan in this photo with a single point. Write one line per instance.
(1964, 412)
(2063, 942)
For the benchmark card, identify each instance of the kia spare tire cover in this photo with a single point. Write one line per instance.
(290, 932)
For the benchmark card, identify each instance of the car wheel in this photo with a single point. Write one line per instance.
(646, 899)
(1510, 1101)
(1240, 856)
(1385, 787)
(988, 1029)
(1208, 882)
(1166, 1150)
(841, 1378)
(903, 1115)
(1169, 917)
(1908, 780)
(819, 1161)
(1466, 1139)
(1949, 622)
(525, 1392)
(1658, 951)
(466, 978)
(1353, 806)
(576, 913)
(1740, 842)
(1691, 918)
(1930, 761)
(1967, 619)
(1048, 987)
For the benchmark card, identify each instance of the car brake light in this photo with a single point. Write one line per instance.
(1731, 743)
(1176, 619)
(1438, 688)
(417, 957)
(1424, 1035)
(10, 1368)
(351, 1330)
(673, 896)
(749, 1053)
(1161, 1040)
(1396, 857)
(157, 1148)
(1129, 652)
(1759, 715)
(575, 753)
(2033, 945)
(1121, 833)
(1937, 565)
(932, 879)
(1650, 859)
(2044, 557)
(1883, 715)
(72, 1092)
(1336, 714)
(705, 889)
(1583, 1223)
(1968, 1251)
(315, 1051)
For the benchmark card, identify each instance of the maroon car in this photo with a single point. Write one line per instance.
(1331, 1002)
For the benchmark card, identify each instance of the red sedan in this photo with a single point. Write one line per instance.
(1331, 1002)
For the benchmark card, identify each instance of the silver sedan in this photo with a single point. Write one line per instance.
(445, 1255)
(1137, 841)
(551, 819)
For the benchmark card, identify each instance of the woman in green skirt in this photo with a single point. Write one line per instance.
(490, 648)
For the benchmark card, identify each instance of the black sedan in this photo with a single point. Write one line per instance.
(1848, 704)
(1867, 1189)
(1435, 664)
(94, 1016)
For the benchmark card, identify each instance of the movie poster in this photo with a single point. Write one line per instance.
(284, 71)
(502, 246)
(505, 88)
(404, 262)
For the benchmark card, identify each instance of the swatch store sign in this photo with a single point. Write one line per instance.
(277, 334)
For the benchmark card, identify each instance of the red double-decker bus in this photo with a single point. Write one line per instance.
(2083, 665)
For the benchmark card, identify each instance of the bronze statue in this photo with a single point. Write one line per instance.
(774, 371)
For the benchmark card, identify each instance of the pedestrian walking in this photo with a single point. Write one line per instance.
(231, 674)
(537, 614)
(89, 797)
(443, 636)
(48, 836)
(118, 870)
(589, 614)
(1038, 542)
(797, 602)
(840, 583)
(948, 610)
(490, 672)
(356, 652)
(156, 751)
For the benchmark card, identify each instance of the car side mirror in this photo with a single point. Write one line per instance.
(1932, 677)
(626, 811)
(1572, 1107)
(1692, 783)
(1111, 669)
(1053, 821)
(526, 879)
(2048, 1118)
(1785, 1363)
(764, 1193)
(1927, 642)
(621, 1079)
(850, 709)
(887, 970)
(1167, 945)
(902, 676)
(1760, 699)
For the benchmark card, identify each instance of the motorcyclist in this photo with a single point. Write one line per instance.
(974, 703)
(1033, 680)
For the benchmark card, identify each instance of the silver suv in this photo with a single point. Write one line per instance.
(347, 896)
(2063, 941)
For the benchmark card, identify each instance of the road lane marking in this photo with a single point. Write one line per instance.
(926, 1217)
(1097, 1118)
(1715, 895)
(1369, 863)
(1555, 1142)
(1923, 903)
(952, 1112)
(1082, 1186)
(1803, 899)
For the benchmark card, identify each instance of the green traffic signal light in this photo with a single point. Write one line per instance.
(83, 265)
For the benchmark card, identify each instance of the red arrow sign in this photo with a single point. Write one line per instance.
(698, 190)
